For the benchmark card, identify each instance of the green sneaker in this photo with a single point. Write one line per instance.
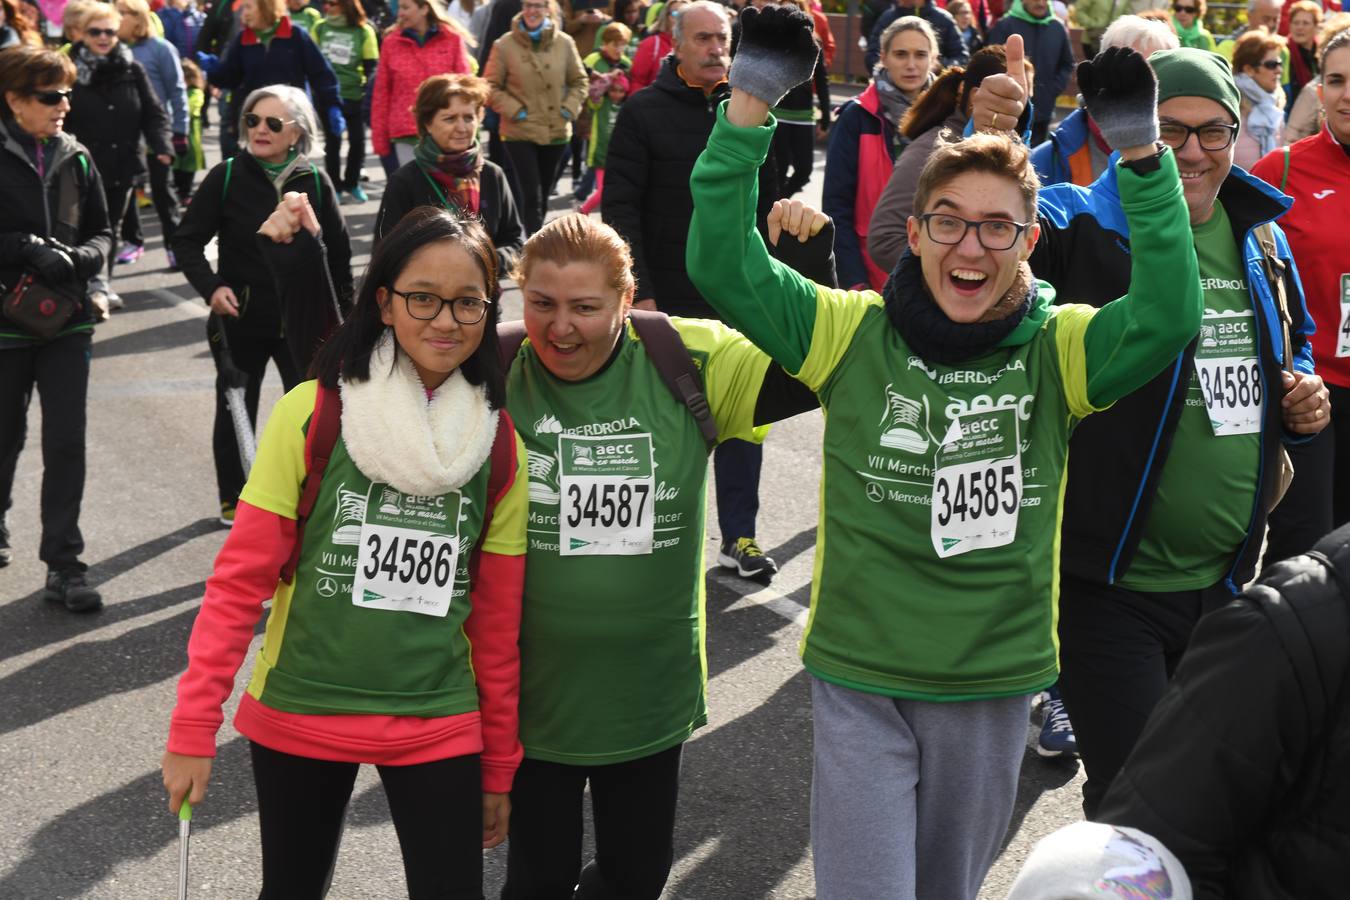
(227, 514)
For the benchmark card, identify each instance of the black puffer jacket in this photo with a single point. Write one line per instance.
(410, 187)
(1243, 770)
(234, 199)
(112, 107)
(660, 132)
(30, 206)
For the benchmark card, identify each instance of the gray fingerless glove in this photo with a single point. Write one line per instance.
(777, 52)
(1121, 94)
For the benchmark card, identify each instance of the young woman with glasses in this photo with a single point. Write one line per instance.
(1188, 21)
(395, 642)
(278, 128)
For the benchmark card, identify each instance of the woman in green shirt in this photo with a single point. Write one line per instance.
(949, 399)
(349, 44)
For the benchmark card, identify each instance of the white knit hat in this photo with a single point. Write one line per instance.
(1091, 861)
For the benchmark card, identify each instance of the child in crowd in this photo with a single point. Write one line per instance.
(612, 55)
(187, 165)
(607, 94)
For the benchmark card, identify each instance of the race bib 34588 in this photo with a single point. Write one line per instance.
(1229, 371)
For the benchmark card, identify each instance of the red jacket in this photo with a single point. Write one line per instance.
(403, 67)
(1319, 181)
(647, 60)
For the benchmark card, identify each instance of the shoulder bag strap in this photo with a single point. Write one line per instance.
(510, 335)
(320, 439)
(676, 367)
(503, 466)
(1275, 270)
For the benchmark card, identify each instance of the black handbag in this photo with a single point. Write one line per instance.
(39, 310)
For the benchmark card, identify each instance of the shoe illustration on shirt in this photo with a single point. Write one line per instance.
(903, 431)
(1209, 337)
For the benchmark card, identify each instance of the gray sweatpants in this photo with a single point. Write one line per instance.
(910, 799)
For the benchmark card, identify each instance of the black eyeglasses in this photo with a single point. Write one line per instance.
(51, 98)
(993, 234)
(426, 306)
(1214, 136)
(101, 32)
(274, 124)
(1188, 10)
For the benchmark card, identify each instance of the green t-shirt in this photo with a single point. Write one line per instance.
(938, 547)
(347, 48)
(306, 16)
(612, 658)
(1203, 506)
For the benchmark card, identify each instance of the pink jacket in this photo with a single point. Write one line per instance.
(403, 67)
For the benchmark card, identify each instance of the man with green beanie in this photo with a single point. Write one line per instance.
(1168, 491)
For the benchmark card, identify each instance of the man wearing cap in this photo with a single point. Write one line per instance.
(1168, 491)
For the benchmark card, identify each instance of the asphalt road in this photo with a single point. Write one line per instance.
(84, 702)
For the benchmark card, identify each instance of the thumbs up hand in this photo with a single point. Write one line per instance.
(998, 103)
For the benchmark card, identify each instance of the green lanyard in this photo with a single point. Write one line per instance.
(439, 193)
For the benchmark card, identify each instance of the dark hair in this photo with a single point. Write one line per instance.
(19, 16)
(951, 90)
(25, 70)
(346, 354)
(353, 11)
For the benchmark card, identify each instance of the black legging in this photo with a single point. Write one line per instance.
(437, 808)
(250, 355)
(633, 804)
(356, 154)
(166, 206)
(794, 147)
(536, 168)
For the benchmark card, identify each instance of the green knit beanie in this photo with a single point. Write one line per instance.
(1190, 72)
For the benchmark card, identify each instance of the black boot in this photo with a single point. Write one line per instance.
(70, 587)
(5, 554)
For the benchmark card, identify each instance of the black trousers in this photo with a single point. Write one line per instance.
(536, 167)
(794, 147)
(250, 355)
(633, 805)
(1340, 429)
(356, 153)
(1118, 648)
(119, 197)
(60, 371)
(437, 809)
(736, 467)
(166, 206)
(182, 183)
(1304, 516)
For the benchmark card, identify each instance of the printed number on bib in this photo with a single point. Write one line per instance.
(608, 495)
(1230, 373)
(1343, 335)
(408, 553)
(977, 485)
(339, 48)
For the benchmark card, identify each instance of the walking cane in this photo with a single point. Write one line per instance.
(235, 385)
(184, 835)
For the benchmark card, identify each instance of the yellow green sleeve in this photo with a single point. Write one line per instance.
(1130, 340)
(370, 45)
(274, 481)
(838, 315)
(733, 375)
(506, 534)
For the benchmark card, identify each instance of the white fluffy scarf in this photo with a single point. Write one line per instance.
(394, 435)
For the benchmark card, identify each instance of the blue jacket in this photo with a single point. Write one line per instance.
(1116, 457)
(1050, 51)
(291, 58)
(1051, 156)
(181, 27)
(160, 61)
(843, 179)
(951, 46)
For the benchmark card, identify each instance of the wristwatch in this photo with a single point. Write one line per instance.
(1146, 164)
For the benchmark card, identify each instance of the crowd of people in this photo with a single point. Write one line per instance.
(1078, 369)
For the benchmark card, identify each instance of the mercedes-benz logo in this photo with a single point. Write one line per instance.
(875, 492)
(326, 587)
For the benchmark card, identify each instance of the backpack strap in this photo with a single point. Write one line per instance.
(503, 468)
(68, 193)
(670, 356)
(1275, 269)
(318, 185)
(510, 335)
(320, 439)
(229, 171)
(1284, 179)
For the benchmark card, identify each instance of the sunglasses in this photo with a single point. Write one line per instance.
(1272, 64)
(1188, 10)
(274, 124)
(51, 98)
(100, 32)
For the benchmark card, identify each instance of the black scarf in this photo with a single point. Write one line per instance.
(90, 68)
(933, 336)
